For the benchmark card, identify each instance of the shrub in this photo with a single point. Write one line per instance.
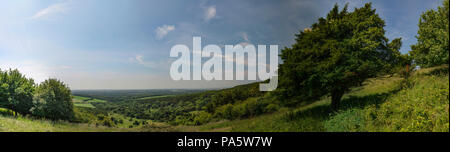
(16, 91)
(202, 117)
(53, 100)
(271, 108)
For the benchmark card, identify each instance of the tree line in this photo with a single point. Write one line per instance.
(50, 99)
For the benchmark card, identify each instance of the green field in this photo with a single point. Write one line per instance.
(80, 101)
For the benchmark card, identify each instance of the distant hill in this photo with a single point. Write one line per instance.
(124, 95)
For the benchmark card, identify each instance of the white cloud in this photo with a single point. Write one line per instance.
(164, 30)
(58, 8)
(210, 13)
(139, 59)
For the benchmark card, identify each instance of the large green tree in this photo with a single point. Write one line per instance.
(53, 100)
(433, 38)
(16, 91)
(335, 54)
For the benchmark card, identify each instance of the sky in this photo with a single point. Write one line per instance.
(125, 44)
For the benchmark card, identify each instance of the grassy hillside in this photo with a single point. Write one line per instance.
(25, 124)
(22, 124)
(421, 106)
(419, 103)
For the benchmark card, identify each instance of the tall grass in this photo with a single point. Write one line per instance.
(419, 103)
(421, 106)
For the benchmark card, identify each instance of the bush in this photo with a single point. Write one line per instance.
(271, 108)
(225, 112)
(201, 117)
(107, 122)
(16, 91)
(53, 100)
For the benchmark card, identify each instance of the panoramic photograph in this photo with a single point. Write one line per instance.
(224, 66)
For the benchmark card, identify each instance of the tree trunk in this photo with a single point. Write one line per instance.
(336, 99)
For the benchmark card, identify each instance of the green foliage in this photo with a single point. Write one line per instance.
(422, 105)
(191, 109)
(234, 95)
(271, 108)
(339, 52)
(350, 121)
(94, 116)
(16, 91)
(380, 104)
(194, 118)
(29, 124)
(419, 103)
(6, 112)
(53, 100)
(397, 62)
(404, 71)
(158, 109)
(433, 37)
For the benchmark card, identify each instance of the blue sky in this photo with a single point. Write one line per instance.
(125, 44)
